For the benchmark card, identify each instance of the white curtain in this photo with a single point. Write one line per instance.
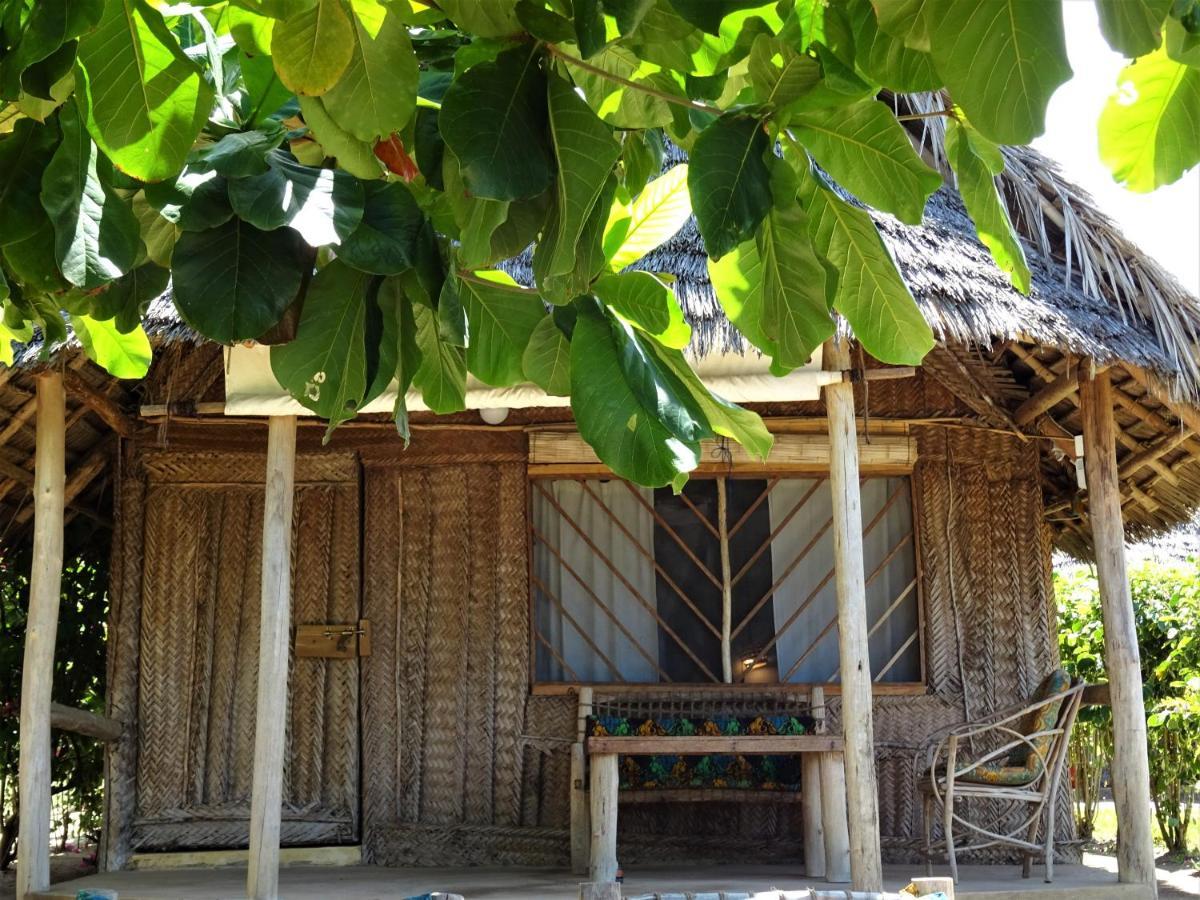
(803, 640)
(636, 663)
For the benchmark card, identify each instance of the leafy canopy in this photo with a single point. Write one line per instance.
(352, 174)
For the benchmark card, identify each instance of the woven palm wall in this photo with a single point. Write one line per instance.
(184, 653)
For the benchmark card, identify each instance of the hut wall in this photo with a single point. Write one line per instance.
(184, 653)
(460, 763)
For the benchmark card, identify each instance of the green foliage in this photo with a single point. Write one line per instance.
(79, 666)
(1166, 600)
(367, 164)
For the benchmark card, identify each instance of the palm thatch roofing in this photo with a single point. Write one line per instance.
(1095, 297)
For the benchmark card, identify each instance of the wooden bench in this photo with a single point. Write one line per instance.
(822, 794)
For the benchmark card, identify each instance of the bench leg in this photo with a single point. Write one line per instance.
(603, 863)
(580, 837)
(814, 823)
(833, 811)
(927, 821)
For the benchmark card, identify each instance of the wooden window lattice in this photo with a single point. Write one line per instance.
(903, 603)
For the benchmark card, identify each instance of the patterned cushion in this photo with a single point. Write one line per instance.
(1023, 765)
(718, 771)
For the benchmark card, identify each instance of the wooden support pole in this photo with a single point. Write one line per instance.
(862, 800)
(602, 865)
(1054, 392)
(580, 830)
(1130, 768)
(266, 799)
(41, 626)
(810, 795)
(726, 581)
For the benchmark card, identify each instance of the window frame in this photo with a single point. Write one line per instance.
(582, 472)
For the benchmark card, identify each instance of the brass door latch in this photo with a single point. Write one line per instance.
(334, 641)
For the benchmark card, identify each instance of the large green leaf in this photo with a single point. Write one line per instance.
(484, 18)
(243, 153)
(377, 93)
(355, 156)
(23, 157)
(729, 182)
(617, 104)
(121, 354)
(656, 215)
(502, 316)
(233, 282)
(775, 289)
(324, 205)
(325, 366)
(126, 299)
(50, 26)
(394, 303)
(707, 14)
(869, 153)
(385, 240)
(313, 46)
(195, 201)
(561, 289)
(1133, 27)
(870, 292)
(586, 153)
(31, 259)
(1149, 127)
(907, 20)
(726, 419)
(642, 299)
(547, 358)
(977, 185)
(95, 230)
(143, 99)
(494, 119)
(780, 75)
(885, 58)
(442, 375)
(626, 434)
(1001, 60)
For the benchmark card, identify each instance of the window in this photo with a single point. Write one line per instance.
(628, 582)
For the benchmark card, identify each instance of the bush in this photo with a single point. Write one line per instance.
(1166, 601)
(79, 665)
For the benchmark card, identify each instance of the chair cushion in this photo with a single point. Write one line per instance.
(1023, 765)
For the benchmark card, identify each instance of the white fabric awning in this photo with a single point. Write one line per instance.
(251, 388)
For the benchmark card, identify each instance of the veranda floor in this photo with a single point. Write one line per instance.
(1072, 882)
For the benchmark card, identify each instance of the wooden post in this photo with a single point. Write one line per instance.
(726, 582)
(579, 796)
(603, 863)
(41, 626)
(602, 890)
(926, 886)
(862, 799)
(810, 795)
(1130, 768)
(266, 803)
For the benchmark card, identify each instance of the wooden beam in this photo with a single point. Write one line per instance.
(81, 476)
(810, 795)
(108, 409)
(18, 420)
(862, 799)
(1045, 398)
(1160, 447)
(580, 831)
(81, 721)
(266, 803)
(1130, 768)
(41, 626)
(726, 580)
(705, 745)
(1187, 415)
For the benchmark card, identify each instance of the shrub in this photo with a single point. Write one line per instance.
(1166, 599)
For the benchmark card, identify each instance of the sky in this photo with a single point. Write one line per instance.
(1166, 223)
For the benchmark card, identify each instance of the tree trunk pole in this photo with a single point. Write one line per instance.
(266, 804)
(862, 801)
(37, 673)
(726, 581)
(1131, 767)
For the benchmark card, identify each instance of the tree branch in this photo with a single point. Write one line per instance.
(617, 79)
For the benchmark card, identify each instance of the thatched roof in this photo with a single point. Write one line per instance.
(1094, 295)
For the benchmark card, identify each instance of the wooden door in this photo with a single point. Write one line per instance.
(198, 653)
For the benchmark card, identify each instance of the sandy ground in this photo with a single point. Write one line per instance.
(63, 867)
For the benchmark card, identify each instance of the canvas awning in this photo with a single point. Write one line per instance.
(251, 388)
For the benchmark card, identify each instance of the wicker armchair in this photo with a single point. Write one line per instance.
(1014, 757)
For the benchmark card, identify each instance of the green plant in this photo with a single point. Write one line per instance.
(1167, 614)
(362, 166)
(77, 766)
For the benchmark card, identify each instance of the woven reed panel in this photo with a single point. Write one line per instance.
(446, 589)
(196, 670)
